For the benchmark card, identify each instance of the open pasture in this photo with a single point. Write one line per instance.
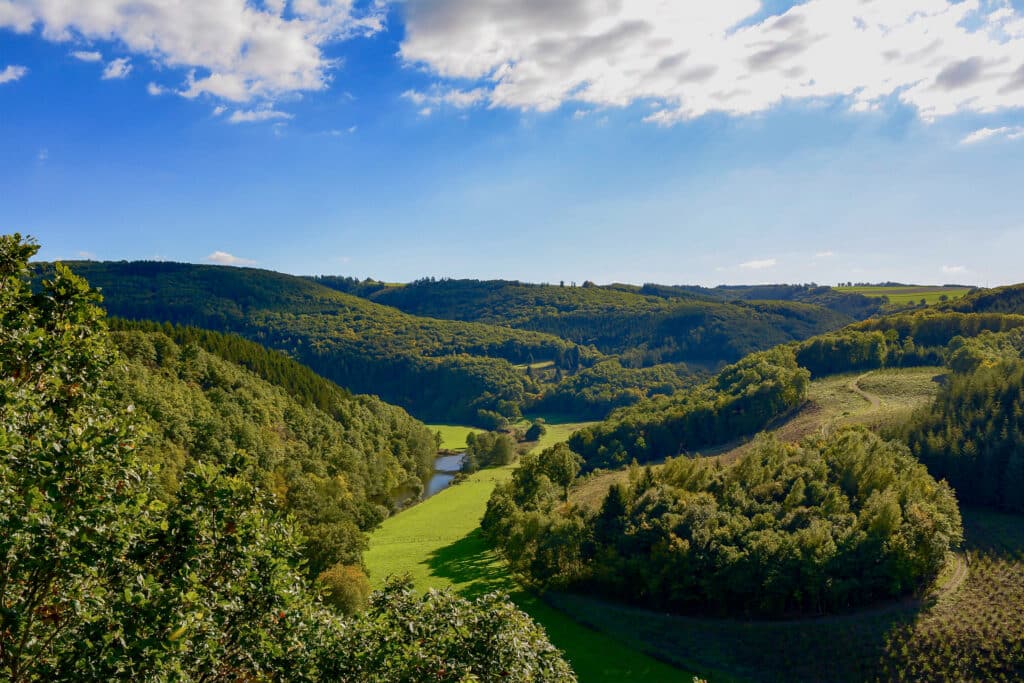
(909, 295)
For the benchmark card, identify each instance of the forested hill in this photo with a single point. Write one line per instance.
(643, 327)
(439, 370)
(336, 470)
(999, 300)
(853, 304)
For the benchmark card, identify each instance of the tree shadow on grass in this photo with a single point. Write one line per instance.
(472, 566)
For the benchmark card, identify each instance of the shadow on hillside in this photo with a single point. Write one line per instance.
(472, 566)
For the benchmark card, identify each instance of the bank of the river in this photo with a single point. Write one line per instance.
(438, 543)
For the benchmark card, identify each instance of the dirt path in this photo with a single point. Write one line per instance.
(854, 386)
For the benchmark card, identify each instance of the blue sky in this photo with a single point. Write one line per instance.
(759, 143)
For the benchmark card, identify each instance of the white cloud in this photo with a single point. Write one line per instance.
(982, 134)
(691, 58)
(759, 264)
(218, 110)
(352, 129)
(256, 115)
(240, 50)
(12, 73)
(452, 97)
(824, 254)
(954, 270)
(87, 255)
(155, 90)
(117, 68)
(225, 259)
(87, 56)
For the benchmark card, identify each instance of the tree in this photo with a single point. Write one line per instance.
(345, 587)
(560, 465)
(536, 430)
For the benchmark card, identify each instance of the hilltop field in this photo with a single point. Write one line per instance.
(908, 295)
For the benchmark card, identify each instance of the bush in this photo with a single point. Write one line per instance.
(345, 587)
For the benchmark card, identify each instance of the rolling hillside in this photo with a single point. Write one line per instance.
(642, 327)
(439, 370)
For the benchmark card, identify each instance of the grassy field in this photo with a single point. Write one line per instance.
(904, 296)
(438, 543)
(877, 399)
(969, 628)
(453, 437)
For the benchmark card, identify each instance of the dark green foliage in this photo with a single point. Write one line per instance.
(846, 351)
(740, 401)
(972, 436)
(832, 523)
(646, 330)
(598, 390)
(442, 370)
(933, 328)
(488, 449)
(405, 637)
(536, 430)
(100, 580)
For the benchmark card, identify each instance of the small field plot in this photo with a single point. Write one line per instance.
(909, 295)
(453, 437)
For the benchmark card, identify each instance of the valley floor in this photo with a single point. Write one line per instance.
(439, 543)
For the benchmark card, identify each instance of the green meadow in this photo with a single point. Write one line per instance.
(453, 437)
(438, 543)
(907, 295)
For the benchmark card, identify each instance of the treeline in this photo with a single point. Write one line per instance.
(439, 370)
(596, 391)
(829, 524)
(103, 580)
(972, 435)
(643, 329)
(741, 400)
(337, 473)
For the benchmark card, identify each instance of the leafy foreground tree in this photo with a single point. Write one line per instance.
(100, 580)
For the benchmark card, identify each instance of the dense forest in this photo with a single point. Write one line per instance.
(438, 370)
(825, 525)
(973, 433)
(336, 473)
(642, 328)
(106, 577)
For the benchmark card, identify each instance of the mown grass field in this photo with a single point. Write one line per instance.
(438, 543)
(904, 296)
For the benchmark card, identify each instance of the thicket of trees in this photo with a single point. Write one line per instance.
(101, 579)
(740, 400)
(440, 370)
(831, 523)
(488, 449)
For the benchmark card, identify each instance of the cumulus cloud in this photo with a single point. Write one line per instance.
(691, 58)
(225, 259)
(12, 73)
(155, 90)
(256, 115)
(87, 56)
(982, 134)
(759, 264)
(118, 68)
(240, 50)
